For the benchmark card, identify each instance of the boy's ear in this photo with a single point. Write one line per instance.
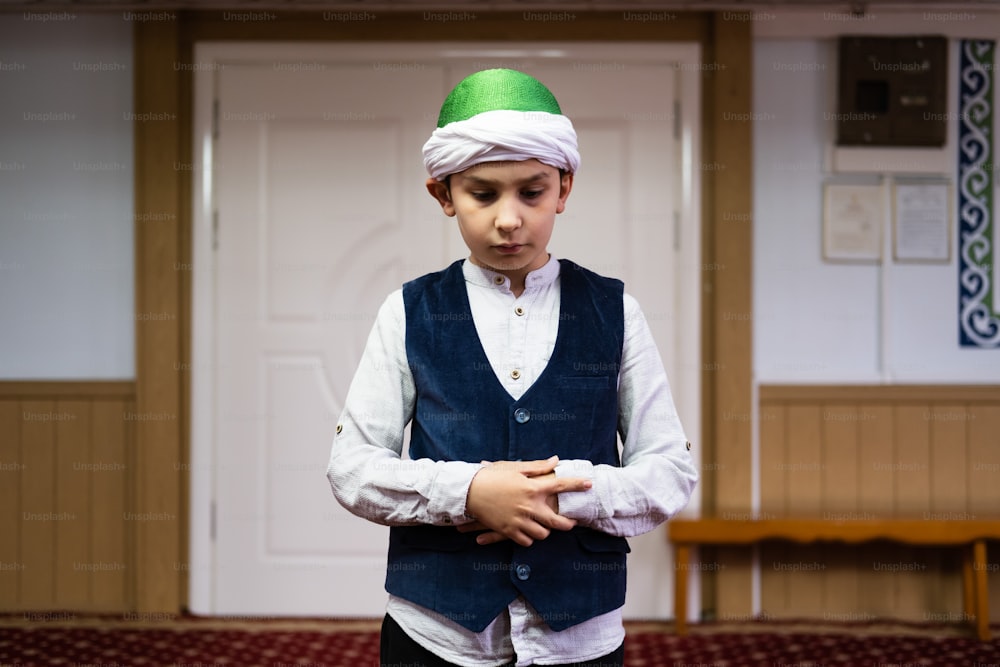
(565, 185)
(440, 191)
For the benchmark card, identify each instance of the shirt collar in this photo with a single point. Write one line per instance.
(541, 277)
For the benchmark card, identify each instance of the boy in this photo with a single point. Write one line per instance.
(516, 370)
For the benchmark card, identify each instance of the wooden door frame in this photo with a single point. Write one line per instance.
(163, 49)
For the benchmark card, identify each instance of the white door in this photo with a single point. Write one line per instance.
(316, 184)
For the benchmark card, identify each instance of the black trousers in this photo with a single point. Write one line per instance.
(396, 649)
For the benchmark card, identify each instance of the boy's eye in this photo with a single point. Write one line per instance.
(531, 194)
(482, 196)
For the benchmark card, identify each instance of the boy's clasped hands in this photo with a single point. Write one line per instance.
(518, 500)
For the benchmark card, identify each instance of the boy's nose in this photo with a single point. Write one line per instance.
(508, 215)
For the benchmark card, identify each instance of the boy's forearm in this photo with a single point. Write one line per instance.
(374, 483)
(631, 500)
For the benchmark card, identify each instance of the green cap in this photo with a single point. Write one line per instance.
(494, 90)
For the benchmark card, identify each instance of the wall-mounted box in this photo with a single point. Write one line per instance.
(892, 91)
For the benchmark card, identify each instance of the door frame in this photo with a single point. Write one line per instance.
(212, 57)
(163, 92)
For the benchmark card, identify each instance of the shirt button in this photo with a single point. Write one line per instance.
(519, 311)
(498, 280)
(516, 374)
(340, 427)
(521, 415)
(523, 571)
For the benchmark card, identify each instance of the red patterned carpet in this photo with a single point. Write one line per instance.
(113, 642)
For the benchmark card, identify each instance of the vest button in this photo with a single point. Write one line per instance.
(521, 415)
(523, 571)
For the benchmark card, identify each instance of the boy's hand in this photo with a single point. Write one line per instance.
(518, 500)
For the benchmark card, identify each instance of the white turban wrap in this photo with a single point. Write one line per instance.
(498, 135)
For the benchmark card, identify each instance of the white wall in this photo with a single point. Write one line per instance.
(823, 322)
(66, 242)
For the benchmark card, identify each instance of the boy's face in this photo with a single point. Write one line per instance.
(505, 212)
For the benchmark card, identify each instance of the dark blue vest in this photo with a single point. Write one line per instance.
(463, 413)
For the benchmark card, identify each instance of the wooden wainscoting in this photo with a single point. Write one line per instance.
(875, 452)
(66, 511)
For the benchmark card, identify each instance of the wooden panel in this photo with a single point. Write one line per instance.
(803, 464)
(800, 530)
(801, 468)
(911, 466)
(949, 498)
(876, 499)
(948, 461)
(734, 599)
(993, 558)
(774, 585)
(411, 26)
(110, 589)
(11, 471)
(773, 497)
(773, 504)
(185, 252)
(869, 394)
(73, 563)
(727, 296)
(733, 304)
(157, 516)
(60, 551)
(920, 451)
(804, 568)
(803, 565)
(839, 459)
(773, 452)
(38, 504)
(840, 436)
(984, 485)
(841, 573)
(984, 460)
(876, 451)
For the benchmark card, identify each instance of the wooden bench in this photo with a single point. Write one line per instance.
(970, 535)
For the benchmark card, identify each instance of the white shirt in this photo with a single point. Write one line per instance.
(371, 480)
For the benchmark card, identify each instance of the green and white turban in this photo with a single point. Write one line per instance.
(500, 114)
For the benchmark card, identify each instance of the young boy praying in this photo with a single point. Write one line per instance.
(516, 372)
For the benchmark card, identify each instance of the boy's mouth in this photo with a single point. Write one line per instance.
(508, 248)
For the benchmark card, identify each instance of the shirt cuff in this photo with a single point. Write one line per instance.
(451, 490)
(583, 506)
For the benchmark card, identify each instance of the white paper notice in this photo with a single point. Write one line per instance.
(922, 214)
(852, 222)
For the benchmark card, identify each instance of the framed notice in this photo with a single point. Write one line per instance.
(921, 220)
(852, 222)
